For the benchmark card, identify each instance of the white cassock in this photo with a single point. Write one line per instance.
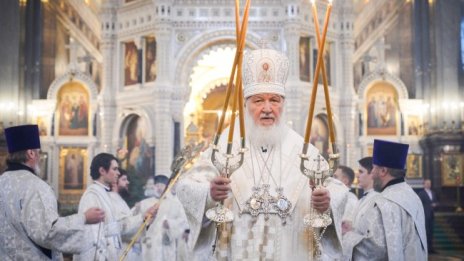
(358, 220)
(129, 224)
(161, 243)
(350, 207)
(247, 238)
(106, 236)
(29, 219)
(393, 228)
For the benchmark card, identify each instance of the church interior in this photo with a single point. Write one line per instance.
(143, 78)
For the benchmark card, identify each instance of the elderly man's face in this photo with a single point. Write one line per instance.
(265, 108)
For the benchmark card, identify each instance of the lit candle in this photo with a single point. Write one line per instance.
(318, 68)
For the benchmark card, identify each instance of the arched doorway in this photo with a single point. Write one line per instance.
(208, 85)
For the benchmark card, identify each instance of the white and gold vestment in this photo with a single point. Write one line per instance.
(249, 238)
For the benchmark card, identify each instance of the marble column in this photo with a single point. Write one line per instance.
(106, 99)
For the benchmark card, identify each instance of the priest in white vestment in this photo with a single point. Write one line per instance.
(160, 242)
(30, 227)
(129, 222)
(106, 236)
(268, 194)
(366, 182)
(346, 176)
(394, 226)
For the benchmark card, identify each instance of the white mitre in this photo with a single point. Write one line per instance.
(264, 71)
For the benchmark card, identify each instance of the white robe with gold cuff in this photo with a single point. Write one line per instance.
(260, 239)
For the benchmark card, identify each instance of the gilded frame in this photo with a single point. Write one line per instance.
(72, 174)
(414, 166)
(452, 168)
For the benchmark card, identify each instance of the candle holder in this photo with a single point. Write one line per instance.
(314, 219)
(226, 165)
(317, 176)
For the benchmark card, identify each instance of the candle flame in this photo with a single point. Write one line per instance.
(313, 2)
(330, 2)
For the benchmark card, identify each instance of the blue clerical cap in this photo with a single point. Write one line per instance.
(390, 154)
(23, 137)
(161, 179)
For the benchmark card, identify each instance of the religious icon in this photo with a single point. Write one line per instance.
(150, 59)
(131, 70)
(452, 167)
(381, 109)
(72, 174)
(414, 166)
(74, 170)
(304, 59)
(326, 59)
(265, 73)
(42, 126)
(414, 125)
(140, 156)
(73, 110)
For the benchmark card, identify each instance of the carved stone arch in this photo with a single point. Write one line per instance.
(122, 122)
(212, 86)
(382, 76)
(202, 44)
(73, 75)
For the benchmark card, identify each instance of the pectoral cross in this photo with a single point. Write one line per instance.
(267, 201)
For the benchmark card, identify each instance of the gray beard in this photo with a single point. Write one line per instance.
(37, 169)
(377, 184)
(262, 136)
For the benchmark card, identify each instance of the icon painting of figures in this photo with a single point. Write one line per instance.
(414, 166)
(73, 110)
(381, 109)
(304, 59)
(150, 59)
(73, 175)
(452, 167)
(137, 157)
(131, 67)
(414, 125)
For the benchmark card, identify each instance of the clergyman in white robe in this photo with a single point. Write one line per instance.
(106, 236)
(393, 228)
(129, 224)
(350, 207)
(29, 220)
(358, 221)
(160, 242)
(249, 239)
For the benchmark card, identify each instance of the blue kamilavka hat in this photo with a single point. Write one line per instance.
(390, 154)
(23, 137)
(161, 179)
